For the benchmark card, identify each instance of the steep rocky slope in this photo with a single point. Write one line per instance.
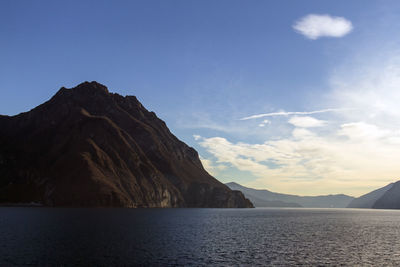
(89, 147)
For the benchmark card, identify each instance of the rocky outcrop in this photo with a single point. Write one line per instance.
(89, 147)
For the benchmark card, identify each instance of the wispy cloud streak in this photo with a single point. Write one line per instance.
(287, 113)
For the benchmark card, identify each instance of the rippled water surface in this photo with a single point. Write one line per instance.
(50, 236)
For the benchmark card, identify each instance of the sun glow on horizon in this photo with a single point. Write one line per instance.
(346, 150)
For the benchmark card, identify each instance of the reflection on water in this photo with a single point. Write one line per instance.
(50, 236)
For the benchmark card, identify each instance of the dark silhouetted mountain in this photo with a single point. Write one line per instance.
(255, 195)
(390, 199)
(89, 147)
(367, 201)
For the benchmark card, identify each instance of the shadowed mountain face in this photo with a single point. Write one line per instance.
(265, 198)
(390, 199)
(88, 147)
(367, 201)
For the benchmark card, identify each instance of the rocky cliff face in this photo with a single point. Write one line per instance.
(89, 147)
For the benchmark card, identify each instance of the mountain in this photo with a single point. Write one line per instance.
(89, 147)
(259, 202)
(368, 200)
(390, 199)
(329, 201)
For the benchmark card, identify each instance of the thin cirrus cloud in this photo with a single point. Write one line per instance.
(314, 26)
(287, 113)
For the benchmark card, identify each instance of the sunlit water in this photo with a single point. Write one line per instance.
(49, 236)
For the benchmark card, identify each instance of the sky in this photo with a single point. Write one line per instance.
(298, 97)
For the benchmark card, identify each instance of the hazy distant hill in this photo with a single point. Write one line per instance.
(257, 196)
(89, 147)
(259, 202)
(390, 199)
(368, 200)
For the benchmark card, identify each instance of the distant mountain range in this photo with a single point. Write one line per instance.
(387, 197)
(266, 198)
(89, 147)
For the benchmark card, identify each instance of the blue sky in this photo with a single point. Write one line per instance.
(202, 66)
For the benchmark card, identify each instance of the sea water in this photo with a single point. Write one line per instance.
(118, 236)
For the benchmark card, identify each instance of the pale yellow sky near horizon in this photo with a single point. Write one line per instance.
(353, 151)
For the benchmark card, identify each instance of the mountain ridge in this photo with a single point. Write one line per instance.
(323, 201)
(390, 199)
(89, 147)
(367, 201)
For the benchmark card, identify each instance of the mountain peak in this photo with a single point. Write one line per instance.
(92, 86)
(86, 91)
(88, 147)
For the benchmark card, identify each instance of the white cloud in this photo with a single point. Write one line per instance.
(306, 122)
(360, 131)
(212, 168)
(357, 153)
(196, 137)
(287, 113)
(264, 123)
(301, 133)
(314, 26)
(310, 163)
(358, 150)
